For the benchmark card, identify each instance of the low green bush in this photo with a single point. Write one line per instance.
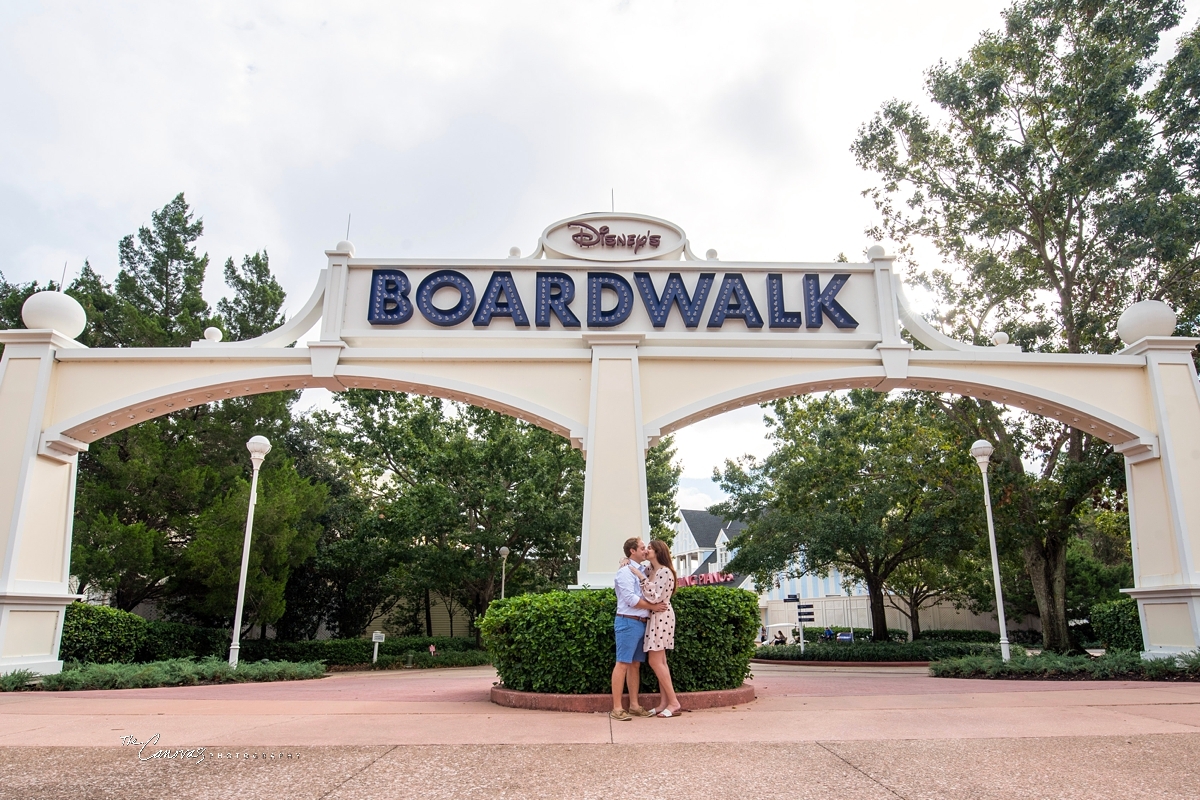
(344, 652)
(961, 635)
(1117, 624)
(101, 634)
(919, 650)
(1117, 665)
(563, 641)
(176, 672)
(422, 659)
(16, 680)
(169, 640)
(813, 634)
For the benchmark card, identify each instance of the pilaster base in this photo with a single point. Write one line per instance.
(1170, 617)
(30, 631)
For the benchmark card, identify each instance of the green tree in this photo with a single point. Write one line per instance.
(1043, 184)
(148, 493)
(161, 280)
(662, 485)
(255, 306)
(284, 536)
(862, 483)
(458, 485)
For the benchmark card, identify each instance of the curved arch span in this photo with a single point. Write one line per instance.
(74, 434)
(1127, 436)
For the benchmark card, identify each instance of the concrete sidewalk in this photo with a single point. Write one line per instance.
(812, 732)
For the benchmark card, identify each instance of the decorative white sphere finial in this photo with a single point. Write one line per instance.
(54, 311)
(999, 338)
(711, 255)
(345, 247)
(213, 335)
(876, 251)
(514, 252)
(1147, 318)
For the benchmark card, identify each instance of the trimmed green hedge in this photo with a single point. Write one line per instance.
(101, 634)
(104, 635)
(813, 634)
(176, 672)
(423, 660)
(343, 652)
(960, 635)
(919, 650)
(563, 642)
(1117, 665)
(1117, 624)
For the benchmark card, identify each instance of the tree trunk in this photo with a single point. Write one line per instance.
(914, 618)
(879, 631)
(1047, 568)
(428, 616)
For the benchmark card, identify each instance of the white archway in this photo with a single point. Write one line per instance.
(611, 333)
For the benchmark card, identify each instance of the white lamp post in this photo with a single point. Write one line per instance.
(258, 447)
(982, 451)
(503, 569)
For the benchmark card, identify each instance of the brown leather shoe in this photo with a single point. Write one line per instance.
(620, 715)
(637, 711)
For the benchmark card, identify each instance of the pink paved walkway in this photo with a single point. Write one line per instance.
(853, 732)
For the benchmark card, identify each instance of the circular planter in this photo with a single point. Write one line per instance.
(588, 703)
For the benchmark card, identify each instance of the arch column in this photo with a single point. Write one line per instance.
(615, 501)
(37, 499)
(1164, 500)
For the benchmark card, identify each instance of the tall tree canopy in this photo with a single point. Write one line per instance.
(864, 483)
(160, 506)
(1058, 180)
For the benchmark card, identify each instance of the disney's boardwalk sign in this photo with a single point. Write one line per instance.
(650, 285)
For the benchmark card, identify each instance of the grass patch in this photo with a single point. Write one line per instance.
(880, 652)
(175, 672)
(1122, 666)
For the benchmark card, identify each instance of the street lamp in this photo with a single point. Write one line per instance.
(258, 447)
(982, 451)
(503, 569)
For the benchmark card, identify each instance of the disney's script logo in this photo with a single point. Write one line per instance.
(601, 237)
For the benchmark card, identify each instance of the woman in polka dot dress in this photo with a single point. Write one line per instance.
(658, 587)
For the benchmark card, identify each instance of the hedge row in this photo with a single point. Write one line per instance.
(104, 635)
(1117, 624)
(343, 652)
(563, 642)
(812, 634)
(1117, 665)
(175, 672)
(425, 660)
(919, 650)
(960, 635)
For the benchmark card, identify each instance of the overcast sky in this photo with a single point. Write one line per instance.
(453, 129)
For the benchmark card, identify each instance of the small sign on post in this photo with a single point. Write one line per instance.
(376, 637)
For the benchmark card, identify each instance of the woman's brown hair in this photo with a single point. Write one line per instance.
(662, 554)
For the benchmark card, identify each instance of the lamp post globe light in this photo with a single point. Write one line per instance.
(503, 569)
(982, 451)
(258, 447)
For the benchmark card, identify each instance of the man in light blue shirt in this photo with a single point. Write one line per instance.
(630, 626)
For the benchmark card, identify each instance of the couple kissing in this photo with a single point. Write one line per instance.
(645, 627)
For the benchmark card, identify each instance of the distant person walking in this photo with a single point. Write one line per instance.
(630, 628)
(658, 586)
